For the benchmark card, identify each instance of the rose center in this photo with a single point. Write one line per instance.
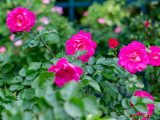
(19, 20)
(65, 72)
(79, 45)
(156, 57)
(135, 57)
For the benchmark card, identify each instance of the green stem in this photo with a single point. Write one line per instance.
(45, 45)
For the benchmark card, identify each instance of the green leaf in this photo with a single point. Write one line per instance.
(141, 107)
(122, 117)
(16, 87)
(69, 90)
(7, 68)
(28, 94)
(125, 103)
(91, 61)
(74, 107)
(135, 100)
(43, 33)
(147, 101)
(33, 43)
(42, 82)
(22, 72)
(17, 79)
(80, 53)
(90, 105)
(95, 85)
(18, 37)
(34, 66)
(157, 108)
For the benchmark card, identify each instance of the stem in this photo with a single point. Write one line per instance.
(45, 45)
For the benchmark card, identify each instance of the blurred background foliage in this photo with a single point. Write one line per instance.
(27, 91)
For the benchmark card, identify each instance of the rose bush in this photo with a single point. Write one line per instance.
(71, 79)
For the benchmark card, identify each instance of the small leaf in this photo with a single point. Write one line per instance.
(141, 107)
(17, 79)
(74, 107)
(80, 53)
(34, 66)
(22, 72)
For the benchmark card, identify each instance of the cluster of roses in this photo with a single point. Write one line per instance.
(132, 57)
(135, 58)
(21, 19)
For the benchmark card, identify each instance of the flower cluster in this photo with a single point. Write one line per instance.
(134, 57)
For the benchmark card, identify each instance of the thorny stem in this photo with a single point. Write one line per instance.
(45, 45)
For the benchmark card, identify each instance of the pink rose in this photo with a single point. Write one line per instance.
(133, 57)
(46, 1)
(39, 28)
(2, 49)
(11, 37)
(101, 20)
(18, 43)
(117, 29)
(57, 9)
(65, 72)
(113, 43)
(85, 13)
(81, 41)
(144, 94)
(20, 19)
(44, 20)
(154, 56)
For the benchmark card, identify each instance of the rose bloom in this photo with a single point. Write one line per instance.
(81, 41)
(39, 28)
(85, 13)
(20, 19)
(117, 29)
(46, 1)
(18, 43)
(44, 20)
(113, 43)
(101, 21)
(2, 49)
(65, 72)
(133, 57)
(147, 23)
(154, 56)
(144, 94)
(11, 37)
(57, 9)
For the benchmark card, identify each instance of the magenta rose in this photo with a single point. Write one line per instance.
(154, 56)
(20, 19)
(65, 72)
(81, 41)
(133, 57)
(144, 94)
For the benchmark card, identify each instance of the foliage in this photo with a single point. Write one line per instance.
(105, 90)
